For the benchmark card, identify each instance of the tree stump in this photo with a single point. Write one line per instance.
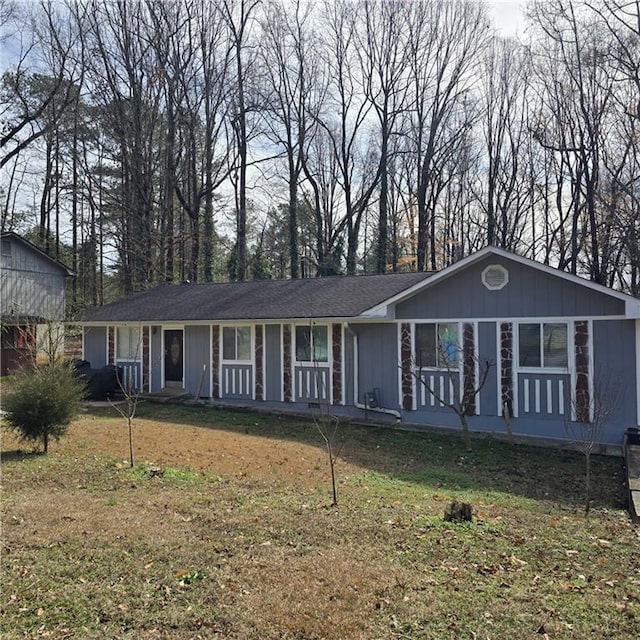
(458, 512)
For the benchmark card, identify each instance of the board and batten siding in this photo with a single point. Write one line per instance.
(488, 352)
(530, 293)
(615, 371)
(377, 365)
(30, 283)
(272, 363)
(94, 346)
(197, 349)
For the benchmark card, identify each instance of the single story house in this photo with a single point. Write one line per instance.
(521, 342)
(32, 302)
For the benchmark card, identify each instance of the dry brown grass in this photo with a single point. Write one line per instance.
(93, 549)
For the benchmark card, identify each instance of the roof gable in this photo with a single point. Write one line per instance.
(14, 237)
(629, 306)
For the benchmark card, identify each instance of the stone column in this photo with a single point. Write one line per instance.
(406, 357)
(336, 349)
(506, 365)
(469, 366)
(287, 379)
(111, 345)
(146, 361)
(581, 346)
(259, 382)
(215, 362)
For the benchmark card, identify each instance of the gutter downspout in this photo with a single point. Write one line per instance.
(392, 412)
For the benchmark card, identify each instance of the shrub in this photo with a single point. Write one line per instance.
(43, 402)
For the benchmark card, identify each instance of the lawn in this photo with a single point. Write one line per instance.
(237, 539)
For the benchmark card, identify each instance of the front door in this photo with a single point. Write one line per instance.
(173, 346)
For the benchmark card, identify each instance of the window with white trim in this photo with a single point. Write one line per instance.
(543, 345)
(312, 344)
(437, 345)
(129, 344)
(236, 343)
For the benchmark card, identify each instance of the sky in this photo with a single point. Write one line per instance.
(508, 15)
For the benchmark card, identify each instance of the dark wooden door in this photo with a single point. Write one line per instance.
(173, 346)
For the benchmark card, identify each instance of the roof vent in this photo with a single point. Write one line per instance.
(495, 277)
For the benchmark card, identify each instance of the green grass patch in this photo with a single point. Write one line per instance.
(225, 530)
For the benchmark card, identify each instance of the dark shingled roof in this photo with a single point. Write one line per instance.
(334, 297)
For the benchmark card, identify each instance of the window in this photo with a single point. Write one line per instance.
(236, 343)
(437, 345)
(543, 345)
(495, 277)
(6, 247)
(129, 345)
(312, 344)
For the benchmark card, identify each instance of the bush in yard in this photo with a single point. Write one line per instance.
(42, 403)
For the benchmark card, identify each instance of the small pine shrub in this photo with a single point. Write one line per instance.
(43, 402)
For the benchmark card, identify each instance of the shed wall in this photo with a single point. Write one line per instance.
(30, 284)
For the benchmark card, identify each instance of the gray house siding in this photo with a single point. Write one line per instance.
(378, 362)
(348, 365)
(273, 363)
(371, 353)
(197, 350)
(487, 352)
(156, 359)
(529, 293)
(95, 346)
(30, 284)
(614, 363)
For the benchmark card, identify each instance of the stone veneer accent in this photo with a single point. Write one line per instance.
(506, 365)
(287, 379)
(336, 374)
(259, 383)
(469, 366)
(146, 363)
(406, 353)
(581, 346)
(111, 345)
(215, 361)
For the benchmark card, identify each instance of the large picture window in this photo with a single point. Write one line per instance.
(236, 343)
(437, 345)
(129, 344)
(312, 344)
(543, 345)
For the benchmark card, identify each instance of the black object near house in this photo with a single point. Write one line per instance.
(101, 383)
